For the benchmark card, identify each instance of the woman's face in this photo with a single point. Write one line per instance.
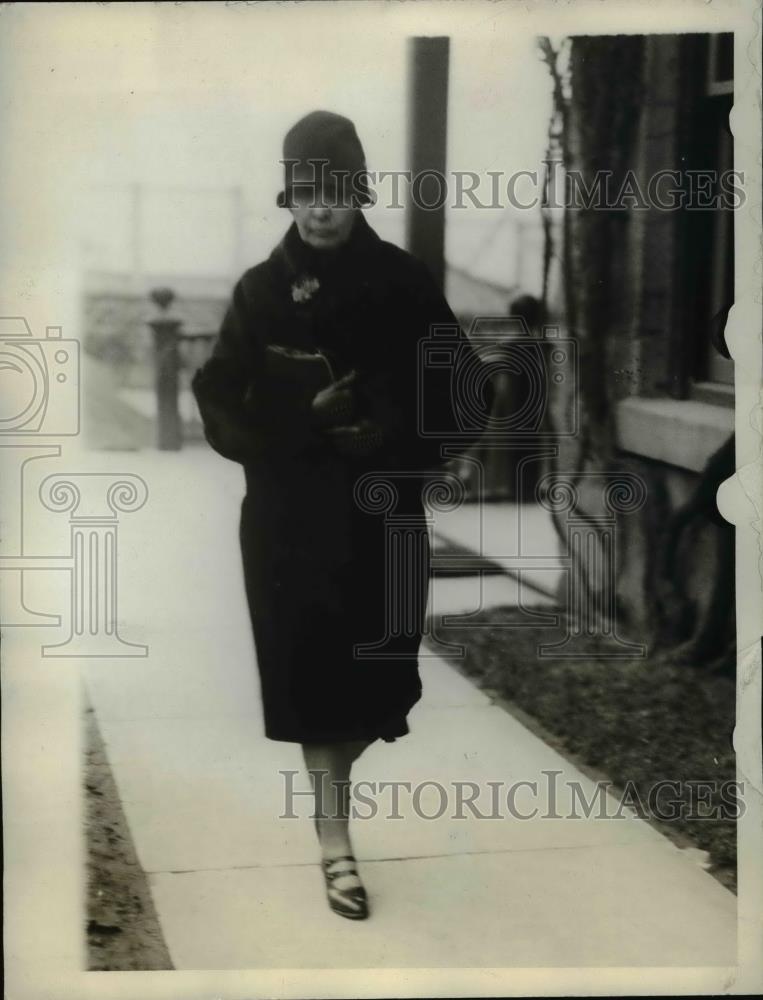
(322, 224)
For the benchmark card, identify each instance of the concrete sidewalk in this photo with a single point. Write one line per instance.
(237, 887)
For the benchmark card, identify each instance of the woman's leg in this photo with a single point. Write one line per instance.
(329, 766)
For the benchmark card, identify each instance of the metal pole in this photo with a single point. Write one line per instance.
(519, 230)
(136, 236)
(427, 151)
(237, 206)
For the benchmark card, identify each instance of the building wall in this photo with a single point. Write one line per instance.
(620, 289)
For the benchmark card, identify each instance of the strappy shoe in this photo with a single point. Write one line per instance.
(350, 903)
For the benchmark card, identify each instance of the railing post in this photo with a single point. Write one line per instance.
(165, 326)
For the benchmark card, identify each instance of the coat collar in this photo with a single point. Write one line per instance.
(301, 259)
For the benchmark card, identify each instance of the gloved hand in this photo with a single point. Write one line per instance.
(336, 405)
(357, 440)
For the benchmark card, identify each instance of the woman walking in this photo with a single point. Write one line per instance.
(314, 381)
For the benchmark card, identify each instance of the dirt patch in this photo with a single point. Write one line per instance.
(123, 931)
(637, 722)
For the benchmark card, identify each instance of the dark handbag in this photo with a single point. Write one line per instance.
(270, 412)
(280, 399)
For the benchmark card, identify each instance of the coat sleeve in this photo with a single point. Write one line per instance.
(221, 382)
(233, 390)
(438, 392)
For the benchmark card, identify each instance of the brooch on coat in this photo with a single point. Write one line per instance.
(304, 289)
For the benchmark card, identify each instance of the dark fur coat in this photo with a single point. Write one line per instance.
(320, 573)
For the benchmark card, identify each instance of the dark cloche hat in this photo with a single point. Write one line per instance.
(323, 135)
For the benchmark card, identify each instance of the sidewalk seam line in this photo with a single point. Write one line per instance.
(412, 857)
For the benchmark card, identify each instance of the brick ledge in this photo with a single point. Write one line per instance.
(680, 432)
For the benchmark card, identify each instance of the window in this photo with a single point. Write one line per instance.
(708, 237)
(689, 415)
